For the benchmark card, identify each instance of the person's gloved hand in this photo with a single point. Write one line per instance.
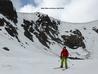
(60, 57)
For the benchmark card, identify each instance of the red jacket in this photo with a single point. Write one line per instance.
(64, 53)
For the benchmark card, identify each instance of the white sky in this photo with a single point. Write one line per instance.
(74, 10)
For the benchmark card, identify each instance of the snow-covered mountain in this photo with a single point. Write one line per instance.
(38, 35)
(20, 30)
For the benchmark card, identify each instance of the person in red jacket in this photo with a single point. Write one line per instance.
(64, 55)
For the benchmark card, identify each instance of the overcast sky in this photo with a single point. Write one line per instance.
(74, 10)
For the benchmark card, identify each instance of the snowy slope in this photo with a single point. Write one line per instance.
(23, 50)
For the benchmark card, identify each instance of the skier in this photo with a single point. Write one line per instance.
(63, 56)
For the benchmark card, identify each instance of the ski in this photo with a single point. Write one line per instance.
(60, 68)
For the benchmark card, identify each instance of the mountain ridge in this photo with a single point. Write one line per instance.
(59, 19)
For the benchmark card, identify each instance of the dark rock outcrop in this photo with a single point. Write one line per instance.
(1, 22)
(11, 29)
(44, 28)
(5, 48)
(27, 26)
(95, 29)
(74, 40)
(7, 9)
